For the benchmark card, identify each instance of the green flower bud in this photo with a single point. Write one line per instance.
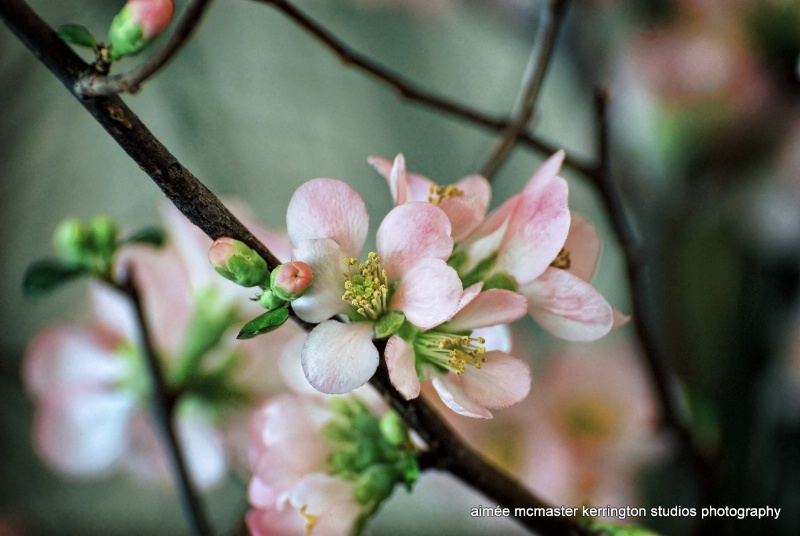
(70, 239)
(235, 261)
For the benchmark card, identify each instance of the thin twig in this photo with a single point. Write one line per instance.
(163, 410)
(92, 84)
(413, 92)
(674, 415)
(552, 21)
(206, 211)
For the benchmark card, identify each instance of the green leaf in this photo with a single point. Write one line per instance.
(388, 324)
(45, 275)
(153, 236)
(77, 35)
(265, 323)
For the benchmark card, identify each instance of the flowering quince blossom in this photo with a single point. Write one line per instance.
(91, 386)
(323, 465)
(527, 245)
(327, 223)
(469, 379)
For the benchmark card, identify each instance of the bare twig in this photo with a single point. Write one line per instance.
(206, 211)
(674, 415)
(413, 92)
(93, 84)
(163, 410)
(552, 21)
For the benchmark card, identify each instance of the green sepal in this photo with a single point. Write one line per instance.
(608, 529)
(479, 271)
(265, 323)
(500, 280)
(152, 236)
(269, 300)
(457, 260)
(77, 35)
(45, 275)
(388, 324)
(410, 472)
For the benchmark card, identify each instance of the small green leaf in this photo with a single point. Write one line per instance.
(388, 324)
(77, 35)
(45, 275)
(500, 280)
(265, 323)
(153, 236)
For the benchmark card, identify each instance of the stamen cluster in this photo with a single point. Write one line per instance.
(366, 289)
(440, 193)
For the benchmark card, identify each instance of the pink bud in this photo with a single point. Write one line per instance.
(152, 15)
(235, 261)
(289, 281)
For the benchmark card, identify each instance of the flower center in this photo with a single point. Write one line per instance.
(440, 193)
(366, 286)
(453, 352)
(562, 260)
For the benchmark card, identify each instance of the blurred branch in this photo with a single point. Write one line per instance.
(163, 410)
(92, 84)
(206, 211)
(674, 414)
(413, 92)
(551, 22)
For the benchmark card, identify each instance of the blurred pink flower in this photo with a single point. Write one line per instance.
(585, 432)
(92, 389)
(327, 223)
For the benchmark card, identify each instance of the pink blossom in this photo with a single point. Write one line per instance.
(468, 378)
(327, 223)
(152, 15)
(91, 386)
(465, 202)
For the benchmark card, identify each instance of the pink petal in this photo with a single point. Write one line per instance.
(328, 208)
(468, 211)
(583, 244)
(428, 294)
(455, 399)
(83, 433)
(339, 357)
(331, 500)
(275, 521)
(203, 448)
(401, 364)
(59, 357)
(502, 381)
(620, 318)
(324, 298)
(286, 462)
(567, 306)
(537, 228)
(395, 175)
(490, 308)
(411, 232)
(260, 494)
(496, 337)
(469, 294)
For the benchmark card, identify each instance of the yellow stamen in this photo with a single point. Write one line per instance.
(562, 260)
(454, 351)
(440, 193)
(311, 520)
(366, 287)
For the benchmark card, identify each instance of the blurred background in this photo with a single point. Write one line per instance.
(705, 124)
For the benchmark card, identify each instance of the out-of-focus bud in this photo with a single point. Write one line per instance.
(235, 261)
(290, 281)
(69, 240)
(103, 232)
(136, 24)
(269, 300)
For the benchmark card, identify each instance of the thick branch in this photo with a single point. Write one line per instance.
(413, 92)
(552, 21)
(163, 406)
(92, 84)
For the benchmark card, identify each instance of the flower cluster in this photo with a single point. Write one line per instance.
(324, 465)
(441, 271)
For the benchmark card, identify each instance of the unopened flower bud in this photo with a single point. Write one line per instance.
(290, 281)
(103, 232)
(136, 24)
(269, 300)
(235, 261)
(69, 240)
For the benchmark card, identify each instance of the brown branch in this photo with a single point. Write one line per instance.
(552, 21)
(674, 415)
(163, 409)
(413, 92)
(93, 84)
(206, 211)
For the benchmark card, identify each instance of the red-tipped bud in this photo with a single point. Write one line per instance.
(235, 261)
(289, 281)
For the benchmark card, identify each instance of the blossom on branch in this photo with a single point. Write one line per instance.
(407, 279)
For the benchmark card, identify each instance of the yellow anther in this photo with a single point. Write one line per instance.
(440, 193)
(366, 286)
(311, 520)
(562, 260)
